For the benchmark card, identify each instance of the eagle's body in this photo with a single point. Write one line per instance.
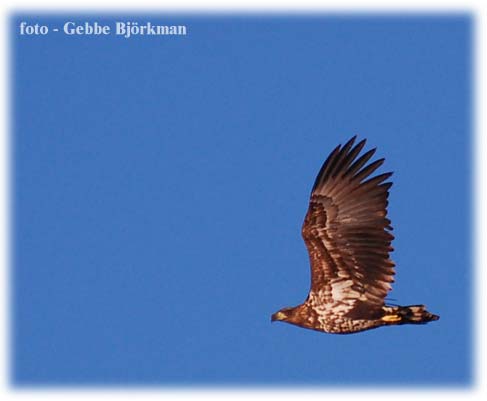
(347, 233)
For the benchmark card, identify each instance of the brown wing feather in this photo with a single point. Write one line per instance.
(346, 231)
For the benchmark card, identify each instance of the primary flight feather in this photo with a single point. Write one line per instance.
(347, 234)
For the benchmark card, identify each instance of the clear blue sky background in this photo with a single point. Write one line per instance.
(160, 185)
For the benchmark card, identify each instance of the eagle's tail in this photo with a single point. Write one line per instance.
(412, 314)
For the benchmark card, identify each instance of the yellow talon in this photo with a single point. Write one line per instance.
(391, 318)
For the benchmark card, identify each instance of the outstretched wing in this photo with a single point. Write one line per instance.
(346, 231)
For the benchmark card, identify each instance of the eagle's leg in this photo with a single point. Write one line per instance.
(412, 314)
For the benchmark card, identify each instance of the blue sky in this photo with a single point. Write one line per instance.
(160, 183)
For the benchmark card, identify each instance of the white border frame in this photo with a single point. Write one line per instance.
(478, 185)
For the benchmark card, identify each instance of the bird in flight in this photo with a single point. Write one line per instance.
(347, 234)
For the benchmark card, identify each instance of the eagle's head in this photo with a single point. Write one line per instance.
(285, 314)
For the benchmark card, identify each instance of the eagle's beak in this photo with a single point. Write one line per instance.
(278, 316)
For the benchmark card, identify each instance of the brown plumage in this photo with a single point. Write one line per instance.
(347, 234)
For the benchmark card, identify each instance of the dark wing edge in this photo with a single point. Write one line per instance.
(347, 232)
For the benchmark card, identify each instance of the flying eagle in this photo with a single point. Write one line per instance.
(347, 234)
